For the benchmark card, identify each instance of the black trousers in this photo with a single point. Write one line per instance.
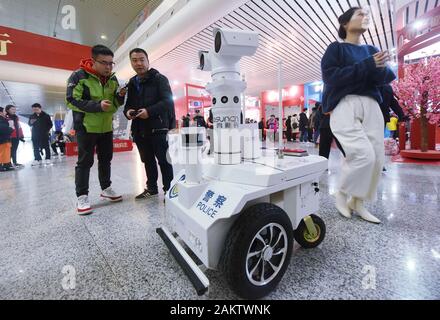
(325, 142)
(310, 134)
(40, 144)
(14, 146)
(154, 147)
(289, 135)
(86, 147)
(60, 145)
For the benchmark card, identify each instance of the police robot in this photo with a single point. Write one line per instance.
(238, 210)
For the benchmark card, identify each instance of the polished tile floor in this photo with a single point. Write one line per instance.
(48, 252)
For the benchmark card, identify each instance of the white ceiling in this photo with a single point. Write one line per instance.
(93, 18)
(295, 31)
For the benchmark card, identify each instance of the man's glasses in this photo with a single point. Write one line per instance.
(107, 64)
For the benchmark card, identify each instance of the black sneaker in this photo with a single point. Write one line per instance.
(146, 195)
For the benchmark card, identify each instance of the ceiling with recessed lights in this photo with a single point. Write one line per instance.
(294, 31)
(297, 32)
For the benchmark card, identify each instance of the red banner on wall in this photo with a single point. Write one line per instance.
(118, 146)
(29, 48)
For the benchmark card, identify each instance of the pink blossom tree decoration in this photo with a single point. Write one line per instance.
(419, 94)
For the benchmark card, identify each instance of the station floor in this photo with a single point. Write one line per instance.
(48, 252)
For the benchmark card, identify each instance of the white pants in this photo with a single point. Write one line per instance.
(357, 122)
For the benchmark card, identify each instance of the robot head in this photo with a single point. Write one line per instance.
(237, 43)
(229, 46)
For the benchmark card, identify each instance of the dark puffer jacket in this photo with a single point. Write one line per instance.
(5, 130)
(41, 125)
(154, 94)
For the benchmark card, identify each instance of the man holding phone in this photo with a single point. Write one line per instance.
(92, 95)
(151, 107)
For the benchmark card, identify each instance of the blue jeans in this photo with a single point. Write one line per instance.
(304, 136)
(315, 135)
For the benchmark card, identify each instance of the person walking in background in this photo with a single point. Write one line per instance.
(210, 131)
(389, 102)
(199, 121)
(59, 142)
(289, 128)
(262, 129)
(41, 124)
(272, 125)
(392, 126)
(5, 142)
(16, 135)
(186, 121)
(311, 130)
(295, 127)
(352, 74)
(317, 122)
(326, 136)
(303, 127)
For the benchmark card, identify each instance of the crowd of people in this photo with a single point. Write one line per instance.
(354, 113)
(45, 141)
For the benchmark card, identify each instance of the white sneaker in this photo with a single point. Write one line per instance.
(83, 206)
(341, 204)
(48, 162)
(111, 195)
(37, 163)
(358, 206)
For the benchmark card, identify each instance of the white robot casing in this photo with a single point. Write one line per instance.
(209, 194)
(203, 224)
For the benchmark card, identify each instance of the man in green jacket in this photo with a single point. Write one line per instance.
(92, 95)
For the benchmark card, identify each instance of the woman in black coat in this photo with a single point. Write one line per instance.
(5, 142)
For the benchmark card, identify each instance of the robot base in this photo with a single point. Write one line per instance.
(242, 220)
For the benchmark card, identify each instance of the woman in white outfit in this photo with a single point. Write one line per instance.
(351, 73)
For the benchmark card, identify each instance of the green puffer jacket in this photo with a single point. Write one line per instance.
(84, 95)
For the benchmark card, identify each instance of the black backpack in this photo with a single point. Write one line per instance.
(295, 125)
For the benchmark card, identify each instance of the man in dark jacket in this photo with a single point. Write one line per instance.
(151, 107)
(41, 124)
(185, 121)
(303, 127)
(326, 135)
(289, 128)
(390, 102)
(199, 121)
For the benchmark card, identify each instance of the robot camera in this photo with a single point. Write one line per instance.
(205, 61)
(237, 43)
